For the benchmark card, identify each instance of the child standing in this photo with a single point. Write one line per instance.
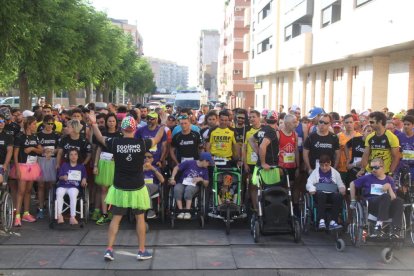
(72, 175)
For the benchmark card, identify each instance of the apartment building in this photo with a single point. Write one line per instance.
(133, 31)
(340, 55)
(168, 75)
(233, 88)
(209, 42)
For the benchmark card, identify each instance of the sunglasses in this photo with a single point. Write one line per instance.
(372, 122)
(148, 156)
(50, 124)
(241, 118)
(151, 119)
(2, 121)
(182, 117)
(375, 167)
(323, 122)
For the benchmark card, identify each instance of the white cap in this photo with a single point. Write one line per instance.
(365, 113)
(27, 113)
(294, 107)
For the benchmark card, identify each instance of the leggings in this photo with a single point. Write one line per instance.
(73, 194)
(384, 208)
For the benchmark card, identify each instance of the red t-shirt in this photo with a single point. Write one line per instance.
(287, 147)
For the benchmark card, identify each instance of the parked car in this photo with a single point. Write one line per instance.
(15, 102)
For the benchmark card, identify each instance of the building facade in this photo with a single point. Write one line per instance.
(207, 59)
(339, 55)
(233, 88)
(168, 75)
(133, 31)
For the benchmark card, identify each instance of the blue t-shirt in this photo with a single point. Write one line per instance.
(365, 182)
(190, 169)
(77, 173)
(178, 129)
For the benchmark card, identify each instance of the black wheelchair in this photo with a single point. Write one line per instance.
(405, 191)
(6, 208)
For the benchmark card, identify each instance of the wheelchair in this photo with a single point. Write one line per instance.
(82, 206)
(227, 194)
(197, 210)
(6, 208)
(362, 226)
(309, 215)
(405, 191)
(275, 207)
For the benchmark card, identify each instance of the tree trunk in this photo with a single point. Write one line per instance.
(98, 94)
(25, 101)
(72, 97)
(106, 93)
(88, 88)
(50, 94)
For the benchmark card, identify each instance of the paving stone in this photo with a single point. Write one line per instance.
(209, 237)
(240, 237)
(48, 237)
(87, 258)
(174, 258)
(320, 238)
(339, 272)
(126, 259)
(366, 257)
(175, 237)
(405, 256)
(45, 257)
(214, 258)
(294, 257)
(10, 257)
(253, 257)
(96, 237)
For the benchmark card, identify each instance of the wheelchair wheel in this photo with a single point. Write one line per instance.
(387, 255)
(228, 220)
(297, 231)
(256, 232)
(85, 205)
(412, 225)
(340, 245)
(51, 206)
(6, 211)
(356, 227)
(252, 222)
(202, 222)
(162, 205)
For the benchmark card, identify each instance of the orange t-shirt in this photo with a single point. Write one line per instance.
(343, 139)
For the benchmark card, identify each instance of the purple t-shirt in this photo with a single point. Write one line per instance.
(407, 149)
(151, 175)
(368, 180)
(145, 133)
(190, 169)
(325, 177)
(72, 172)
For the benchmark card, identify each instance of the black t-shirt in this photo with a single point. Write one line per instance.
(48, 140)
(357, 145)
(6, 140)
(129, 160)
(24, 141)
(13, 129)
(187, 145)
(108, 135)
(241, 133)
(272, 151)
(81, 144)
(204, 132)
(319, 145)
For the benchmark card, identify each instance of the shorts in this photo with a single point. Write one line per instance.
(186, 190)
(120, 211)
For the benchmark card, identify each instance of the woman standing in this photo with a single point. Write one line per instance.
(26, 149)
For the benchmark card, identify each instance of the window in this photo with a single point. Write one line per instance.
(264, 45)
(288, 32)
(331, 14)
(237, 72)
(355, 71)
(253, 54)
(338, 74)
(265, 12)
(359, 3)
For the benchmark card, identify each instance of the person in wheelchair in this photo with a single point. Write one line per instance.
(153, 178)
(328, 175)
(72, 176)
(379, 189)
(192, 172)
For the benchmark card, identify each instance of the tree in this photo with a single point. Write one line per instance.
(142, 79)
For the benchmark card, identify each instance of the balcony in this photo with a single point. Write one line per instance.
(246, 69)
(298, 12)
(296, 52)
(246, 43)
(247, 17)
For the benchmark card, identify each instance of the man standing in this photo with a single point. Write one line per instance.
(128, 190)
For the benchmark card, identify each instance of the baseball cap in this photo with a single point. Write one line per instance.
(271, 116)
(315, 112)
(398, 116)
(294, 108)
(27, 113)
(129, 124)
(264, 112)
(207, 156)
(364, 113)
(153, 114)
(336, 124)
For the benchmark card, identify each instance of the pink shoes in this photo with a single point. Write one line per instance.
(28, 218)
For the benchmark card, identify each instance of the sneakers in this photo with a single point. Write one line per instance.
(96, 214)
(144, 255)
(28, 218)
(377, 231)
(103, 220)
(109, 255)
(17, 222)
(333, 225)
(40, 214)
(180, 216)
(322, 225)
(395, 232)
(151, 214)
(187, 216)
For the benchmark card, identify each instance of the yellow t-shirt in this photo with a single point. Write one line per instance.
(251, 156)
(221, 142)
(343, 139)
(381, 147)
(57, 127)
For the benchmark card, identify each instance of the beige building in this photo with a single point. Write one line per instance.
(133, 31)
(168, 75)
(233, 88)
(340, 55)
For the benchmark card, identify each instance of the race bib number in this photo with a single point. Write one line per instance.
(186, 159)
(357, 160)
(300, 141)
(254, 157)
(153, 148)
(220, 161)
(149, 180)
(74, 175)
(376, 189)
(106, 156)
(31, 159)
(289, 157)
(408, 155)
(188, 181)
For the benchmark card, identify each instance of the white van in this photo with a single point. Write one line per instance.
(190, 99)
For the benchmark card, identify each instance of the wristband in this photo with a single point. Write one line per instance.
(353, 200)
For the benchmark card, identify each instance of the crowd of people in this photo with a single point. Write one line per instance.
(122, 154)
